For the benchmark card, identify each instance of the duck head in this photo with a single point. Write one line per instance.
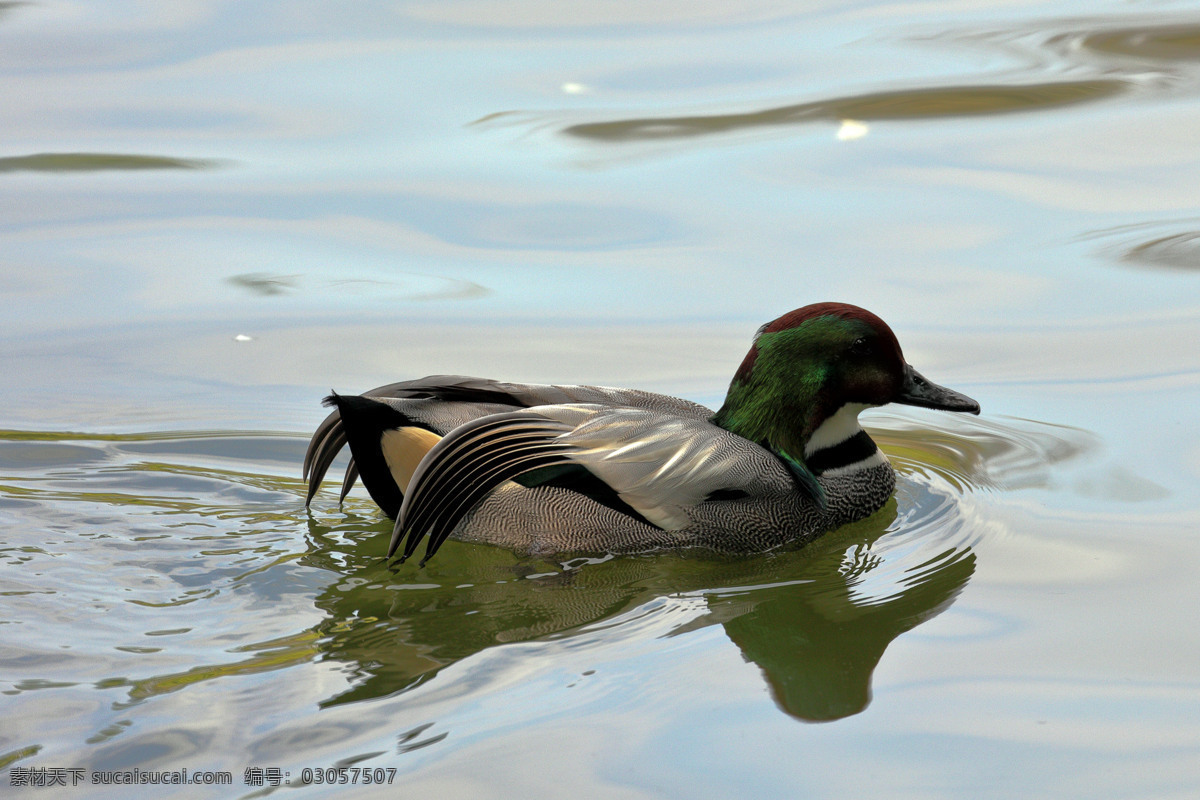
(810, 372)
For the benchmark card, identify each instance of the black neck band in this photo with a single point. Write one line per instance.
(851, 451)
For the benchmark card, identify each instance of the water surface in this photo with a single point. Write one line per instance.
(212, 214)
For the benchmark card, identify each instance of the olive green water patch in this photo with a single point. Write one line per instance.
(908, 104)
(96, 162)
(1167, 43)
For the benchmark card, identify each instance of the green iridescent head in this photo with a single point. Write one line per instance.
(806, 365)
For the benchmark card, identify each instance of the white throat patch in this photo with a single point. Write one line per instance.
(837, 429)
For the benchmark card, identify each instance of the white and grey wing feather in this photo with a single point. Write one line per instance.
(445, 402)
(660, 464)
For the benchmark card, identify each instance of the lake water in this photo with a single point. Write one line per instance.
(212, 213)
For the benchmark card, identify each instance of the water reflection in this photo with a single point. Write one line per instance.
(819, 650)
(908, 104)
(802, 616)
(266, 656)
(816, 619)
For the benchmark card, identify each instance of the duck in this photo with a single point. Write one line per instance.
(545, 469)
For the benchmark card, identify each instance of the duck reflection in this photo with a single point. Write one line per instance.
(811, 618)
(818, 647)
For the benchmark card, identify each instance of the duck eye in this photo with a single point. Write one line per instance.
(861, 347)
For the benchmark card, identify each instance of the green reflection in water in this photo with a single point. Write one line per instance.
(797, 614)
(909, 104)
(818, 650)
(268, 656)
(16, 755)
(96, 162)
(1166, 43)
(816, 619)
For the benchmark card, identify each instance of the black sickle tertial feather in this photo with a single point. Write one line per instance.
(413, 510)
(577, 479)
(320, 457)
(452, 475)
(348, 481)
(445, 524)
(471, 480)
(467, 464)
(326, 443)
(725, 495)
(445, 490)
(318, 439)
(330, 436)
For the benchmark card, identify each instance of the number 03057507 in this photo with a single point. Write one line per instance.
(361, 775)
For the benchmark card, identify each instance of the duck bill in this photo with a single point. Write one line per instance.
(920, 391)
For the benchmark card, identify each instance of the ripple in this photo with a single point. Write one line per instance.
(40, 455)
(407, 286)
(158, 748)
(906, 104)
(263, 283)
(1158, 43)
(96, 162)
(1177, 251)
(1167, 244)
(996, 454)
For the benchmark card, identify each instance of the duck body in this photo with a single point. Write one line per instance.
(545, 469)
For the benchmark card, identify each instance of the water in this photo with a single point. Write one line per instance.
(212, 214)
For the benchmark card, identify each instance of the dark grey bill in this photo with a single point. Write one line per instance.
(920, 391)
